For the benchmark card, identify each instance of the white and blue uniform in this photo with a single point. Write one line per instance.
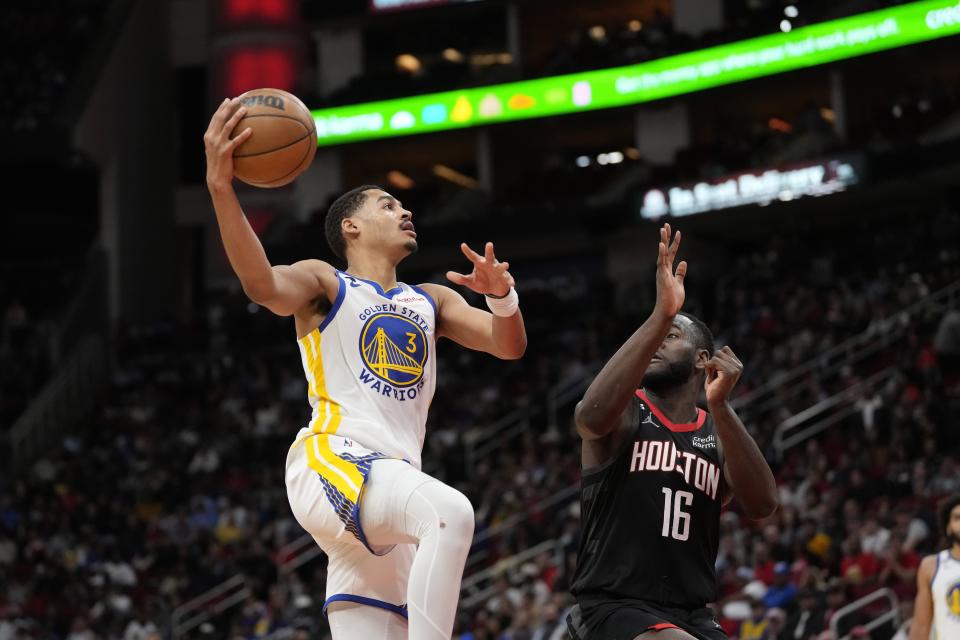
(370, 369)
(945, 591)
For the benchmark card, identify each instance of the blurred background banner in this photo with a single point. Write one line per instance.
(662, 78)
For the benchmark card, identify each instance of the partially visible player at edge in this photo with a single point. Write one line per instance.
(656, 471)
(937, 606)
(396, 538)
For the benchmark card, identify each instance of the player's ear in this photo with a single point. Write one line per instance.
(703, 357)
(349, 228)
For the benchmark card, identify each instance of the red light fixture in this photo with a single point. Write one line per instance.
(258, 11)
(251, 68)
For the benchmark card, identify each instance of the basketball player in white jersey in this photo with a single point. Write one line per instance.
(396, 538)
(937, 606)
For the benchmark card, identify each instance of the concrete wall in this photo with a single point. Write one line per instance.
(128, 128)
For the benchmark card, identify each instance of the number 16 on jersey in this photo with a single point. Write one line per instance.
(676, 521)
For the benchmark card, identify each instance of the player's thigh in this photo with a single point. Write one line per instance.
(350, 621)
(383, 504)
(669, 633)
(324, 488)
(354, 575)
(401, 504)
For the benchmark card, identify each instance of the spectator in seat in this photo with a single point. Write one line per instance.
(808, 620)
(782, 592)
(899, 568)
(757, 626)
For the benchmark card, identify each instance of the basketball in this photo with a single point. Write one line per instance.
(283, 141)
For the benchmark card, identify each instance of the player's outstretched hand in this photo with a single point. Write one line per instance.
(489, 276)
(670, 292)
(723, 371)
(218, 144)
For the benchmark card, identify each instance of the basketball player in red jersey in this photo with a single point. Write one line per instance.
(656, 471)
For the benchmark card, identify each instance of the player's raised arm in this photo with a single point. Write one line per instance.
(602, 407)
(282, 289)
(745, 469)
(500, 333)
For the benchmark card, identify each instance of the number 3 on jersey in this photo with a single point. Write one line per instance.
(680, 520)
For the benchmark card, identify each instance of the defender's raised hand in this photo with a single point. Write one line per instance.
(489, 276)
(723, 371)
(670, 292)
(219, 145)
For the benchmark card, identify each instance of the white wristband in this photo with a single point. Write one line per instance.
(505, 306)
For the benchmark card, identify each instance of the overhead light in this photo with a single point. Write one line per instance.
(635, 25)
(452, 55)
(400, 180)
(614, 157)
(827, 114)
(785, 26)
(583, 161)
(454, 176)
(632, 152)
(409, 63)
(597, 32)
(791, 11)
(487, 59)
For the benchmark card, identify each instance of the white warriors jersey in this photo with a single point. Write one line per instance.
(945, 589)
(371, 366)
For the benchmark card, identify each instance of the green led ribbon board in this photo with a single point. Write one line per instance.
(633, 84)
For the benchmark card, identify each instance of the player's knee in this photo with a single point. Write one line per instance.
(456, 516)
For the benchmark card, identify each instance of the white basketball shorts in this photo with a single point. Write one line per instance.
(326, 476)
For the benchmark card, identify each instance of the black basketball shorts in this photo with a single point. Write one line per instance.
(626, 619)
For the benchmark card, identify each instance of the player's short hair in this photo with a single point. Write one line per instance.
(703, 337)
(344, 207)
(946, 506)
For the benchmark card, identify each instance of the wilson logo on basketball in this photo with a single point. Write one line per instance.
(263, 101)
(281, 143)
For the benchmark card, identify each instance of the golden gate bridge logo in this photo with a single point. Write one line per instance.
(394, 348)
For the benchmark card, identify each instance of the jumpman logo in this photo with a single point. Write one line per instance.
(649, 420)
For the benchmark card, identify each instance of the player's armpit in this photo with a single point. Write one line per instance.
(597, 450)
(596, 431)
(587, 432)
(726, 489)
(745, 469)
(476, 329)
(294, 287)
